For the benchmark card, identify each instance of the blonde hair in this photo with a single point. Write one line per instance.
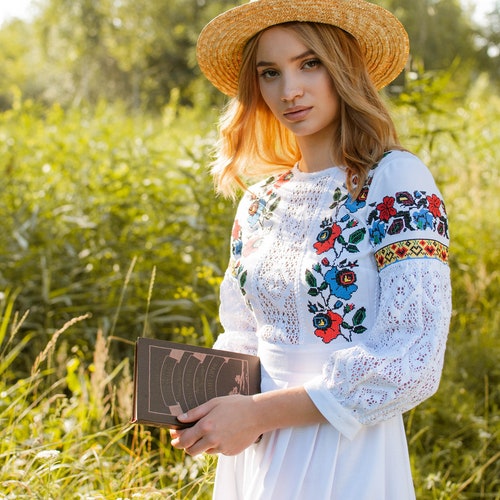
(253, 143)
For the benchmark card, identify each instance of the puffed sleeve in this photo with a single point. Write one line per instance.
(236, 316)
(401, 363)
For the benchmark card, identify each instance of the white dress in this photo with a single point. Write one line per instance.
(350, 298)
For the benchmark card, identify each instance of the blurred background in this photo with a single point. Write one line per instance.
(110, 229)
(139, 51)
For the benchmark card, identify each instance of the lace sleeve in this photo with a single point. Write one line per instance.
(401, 361)
(402, 365)
(237, 320)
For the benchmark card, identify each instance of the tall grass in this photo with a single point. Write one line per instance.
(455, 436)
(111, 231)
(65, 431)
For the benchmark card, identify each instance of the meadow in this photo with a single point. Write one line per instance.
(111, 230)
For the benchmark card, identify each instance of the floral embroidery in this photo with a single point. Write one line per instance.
(434, 205)
(331, 236)
(260, 210)
(326, 239)
(407, 212)
(330, 311)
(327, 325)
(386, 209)
(355, 204)
(341, 282)
(333, 285)
(236, 242)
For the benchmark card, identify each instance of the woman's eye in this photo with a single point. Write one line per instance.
(268, 74)
(311, 63)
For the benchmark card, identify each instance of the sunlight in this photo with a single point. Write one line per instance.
(23, 9)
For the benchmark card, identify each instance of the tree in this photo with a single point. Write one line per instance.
(136, 50)
(439, 31)
(143, 51)
(488, 42)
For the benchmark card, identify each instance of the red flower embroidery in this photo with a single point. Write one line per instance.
(326, 239)
(328, 326)
(386, 208)
(434, 205)
(236, 230)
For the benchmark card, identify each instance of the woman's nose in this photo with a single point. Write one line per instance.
(292, 91)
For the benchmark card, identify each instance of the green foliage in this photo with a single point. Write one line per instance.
(92, 203)
(111, 230)
(64, 434)
(82, 51)
(440, 31)
(89, 50)
(455, 436)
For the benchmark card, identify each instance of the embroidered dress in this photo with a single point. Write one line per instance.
(350, 298)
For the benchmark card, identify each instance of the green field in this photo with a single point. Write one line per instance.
(111, 230)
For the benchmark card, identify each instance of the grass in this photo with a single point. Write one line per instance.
(130, 257)
(65, 433)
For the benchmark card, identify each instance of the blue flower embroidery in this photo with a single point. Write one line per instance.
(341, 282)
(354, 205)
(377, 232)
(423, 219)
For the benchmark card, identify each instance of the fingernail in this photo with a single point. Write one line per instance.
(183, 416)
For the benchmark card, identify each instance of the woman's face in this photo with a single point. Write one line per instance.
(296, 86)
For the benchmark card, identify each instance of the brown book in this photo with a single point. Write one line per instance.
(171, 378)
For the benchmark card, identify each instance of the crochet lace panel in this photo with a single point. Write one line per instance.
(401, 364)
(274, 286)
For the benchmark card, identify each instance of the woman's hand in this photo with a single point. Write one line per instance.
(226, 425)
(230, 424)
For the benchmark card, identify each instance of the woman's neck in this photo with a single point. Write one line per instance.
(316, 155)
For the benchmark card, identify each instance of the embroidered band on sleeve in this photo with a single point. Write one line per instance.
(411, 249)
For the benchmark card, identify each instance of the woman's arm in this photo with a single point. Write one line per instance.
(360, 386)
(401, 366)
(230, 424)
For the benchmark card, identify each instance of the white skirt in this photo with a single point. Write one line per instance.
(315, 462)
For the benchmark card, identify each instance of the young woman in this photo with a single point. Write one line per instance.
(338, 277)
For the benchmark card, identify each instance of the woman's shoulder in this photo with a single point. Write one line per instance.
(402, 162)
(401, 169)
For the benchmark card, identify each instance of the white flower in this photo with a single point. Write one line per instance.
(47, 455)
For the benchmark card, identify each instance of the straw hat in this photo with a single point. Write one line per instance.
(381, 36)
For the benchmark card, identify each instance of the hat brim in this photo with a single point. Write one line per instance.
(382, 38)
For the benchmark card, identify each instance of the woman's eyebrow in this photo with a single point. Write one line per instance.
(307, 53)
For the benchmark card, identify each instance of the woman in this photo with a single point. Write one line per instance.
(338, 276)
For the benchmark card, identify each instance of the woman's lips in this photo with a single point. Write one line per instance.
(296, 113)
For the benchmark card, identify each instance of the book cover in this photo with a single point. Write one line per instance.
(171, 378)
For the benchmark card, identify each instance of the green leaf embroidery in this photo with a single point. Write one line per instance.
(357, 236)
(310, 279)
(359, 316)
(359, 329)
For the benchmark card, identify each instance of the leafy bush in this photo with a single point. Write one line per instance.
(454, 437)
(91, 200)
(64, 432)
(111, 230)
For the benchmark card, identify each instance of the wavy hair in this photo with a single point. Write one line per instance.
(253, 143)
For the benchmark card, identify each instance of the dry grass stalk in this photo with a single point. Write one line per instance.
(51, 344)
